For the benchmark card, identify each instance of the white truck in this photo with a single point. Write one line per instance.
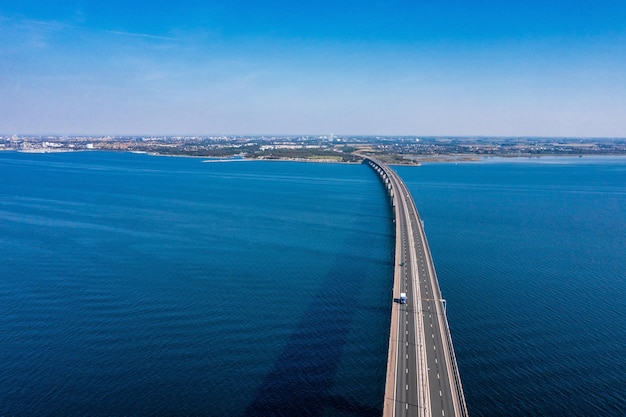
(402, 298)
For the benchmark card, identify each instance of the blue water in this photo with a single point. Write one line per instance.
(140, 285)
(531, 256)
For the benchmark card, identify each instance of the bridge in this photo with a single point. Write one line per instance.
(422, 375)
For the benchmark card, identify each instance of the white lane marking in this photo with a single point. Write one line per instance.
(434, 347)
(407, 388)
(407, 356)
(435, 360)
(407, 370)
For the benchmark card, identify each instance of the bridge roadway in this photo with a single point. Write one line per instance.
(422, 374)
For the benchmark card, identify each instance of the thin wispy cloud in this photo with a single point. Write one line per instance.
(36, 25)
(140, 35)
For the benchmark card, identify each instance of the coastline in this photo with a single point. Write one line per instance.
(314, 161)
(412, 160)
(555, 158)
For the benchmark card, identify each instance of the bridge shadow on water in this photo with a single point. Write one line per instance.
(299, 383)
(302, 377)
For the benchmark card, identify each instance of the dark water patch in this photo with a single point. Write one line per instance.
(300, 380)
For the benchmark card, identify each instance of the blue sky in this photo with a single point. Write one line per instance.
(533, 68)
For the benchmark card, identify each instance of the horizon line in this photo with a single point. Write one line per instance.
(335, 135)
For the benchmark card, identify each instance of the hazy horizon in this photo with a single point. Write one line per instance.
(336, 135)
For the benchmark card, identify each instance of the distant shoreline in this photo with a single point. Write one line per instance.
(314, 161)
(418, 161)
(415, 160)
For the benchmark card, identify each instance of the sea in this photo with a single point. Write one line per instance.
(136, 285)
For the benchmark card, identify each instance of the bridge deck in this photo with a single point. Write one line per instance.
(422, 374)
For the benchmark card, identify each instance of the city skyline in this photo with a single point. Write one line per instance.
(379, 68)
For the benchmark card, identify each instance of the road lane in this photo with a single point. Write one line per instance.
(422, 376)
